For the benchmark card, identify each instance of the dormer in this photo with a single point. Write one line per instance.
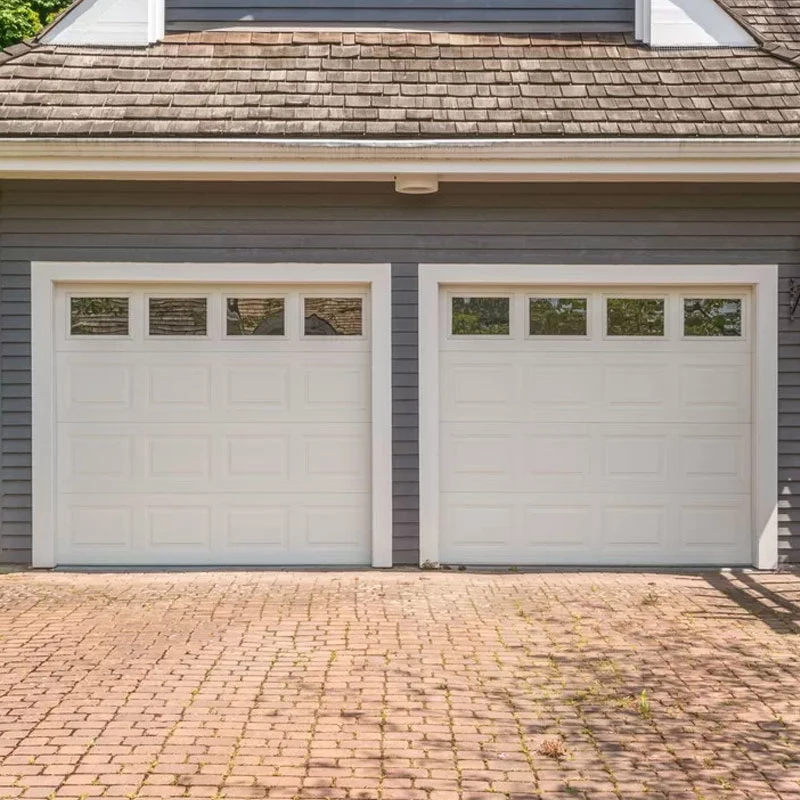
(658, 23)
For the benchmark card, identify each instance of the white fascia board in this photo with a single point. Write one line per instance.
(111, 23)
(688, 23)
(506, 160)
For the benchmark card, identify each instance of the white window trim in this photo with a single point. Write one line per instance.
(45, 276)
(761, 279)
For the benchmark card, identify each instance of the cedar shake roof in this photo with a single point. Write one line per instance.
(263, 84)
(776, 22)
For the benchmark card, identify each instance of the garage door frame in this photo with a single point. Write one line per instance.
(762, 280)
(46, 276)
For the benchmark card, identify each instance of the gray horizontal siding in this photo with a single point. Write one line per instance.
(487, 15)
(370, 223)
(405, 413)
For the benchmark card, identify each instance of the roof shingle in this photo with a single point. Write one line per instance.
(340, 84)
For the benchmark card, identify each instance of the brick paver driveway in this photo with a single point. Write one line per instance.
(400, 685)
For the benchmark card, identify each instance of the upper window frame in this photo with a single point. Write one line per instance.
(545, 294)
(254, 295)
(715, 294)
(172, 294)
(128, 295)
(633, 295)
(475, 292)
(333, 294)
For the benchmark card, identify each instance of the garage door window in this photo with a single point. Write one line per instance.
(333, 316)
(558, 316)
(634, 316)
(98, 316)
(254, 316)
(177, 316)
(712, 316)
(481, 316)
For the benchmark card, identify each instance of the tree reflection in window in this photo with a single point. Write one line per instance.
(254, 316)
(333, 316)
(98, 316)
(481, 316)
(558, 316)
(712, 317)
(177, 316)
(635, 316)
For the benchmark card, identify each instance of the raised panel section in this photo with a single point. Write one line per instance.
(339, 387)
(99, 526)
(635, 457)
(634, 526)
(333, 526)
(258, 385)
(475, 525)
(635, 386)
(99, 457)
(570, 385)
(716, 391)
(336, 456)
(177, 527)
(181, 386)
(480, 455)
(257, 526)
(711, 526)
(546, 455)
(556, 527)
(178, 457)
(250, 456)
(101, 384)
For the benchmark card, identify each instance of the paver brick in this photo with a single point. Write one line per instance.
(406, 685)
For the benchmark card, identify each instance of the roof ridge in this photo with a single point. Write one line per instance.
(16, 50)
(771, 47)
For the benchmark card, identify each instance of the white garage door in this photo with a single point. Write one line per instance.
(595, 427)
(212, 426)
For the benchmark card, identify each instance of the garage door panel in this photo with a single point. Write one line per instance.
(604, 449)
(715, 391)
(159, 458)
(239, 529)
(585, 529)
(633, 458)
(306, 387)
(609, 388)
(216, 450)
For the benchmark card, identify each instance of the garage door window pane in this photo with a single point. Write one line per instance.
(481, 316)
(178, 316)
(98, 316)
(634, 317)
(712, 317)
(333, 316)
(558, 316)
(254, 316)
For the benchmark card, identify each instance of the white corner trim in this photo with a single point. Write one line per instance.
(46, 275)
(688, 23)
(608, 159)
(110, 22)
(763, 279)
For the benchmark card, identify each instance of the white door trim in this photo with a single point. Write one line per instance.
(762, 279)
(45, 276)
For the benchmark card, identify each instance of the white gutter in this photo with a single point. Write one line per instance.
(608, 159)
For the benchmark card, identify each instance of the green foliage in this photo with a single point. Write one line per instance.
(558, 316)
(480, 316)
(635, 317)
(21, 19)
(712, 317)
